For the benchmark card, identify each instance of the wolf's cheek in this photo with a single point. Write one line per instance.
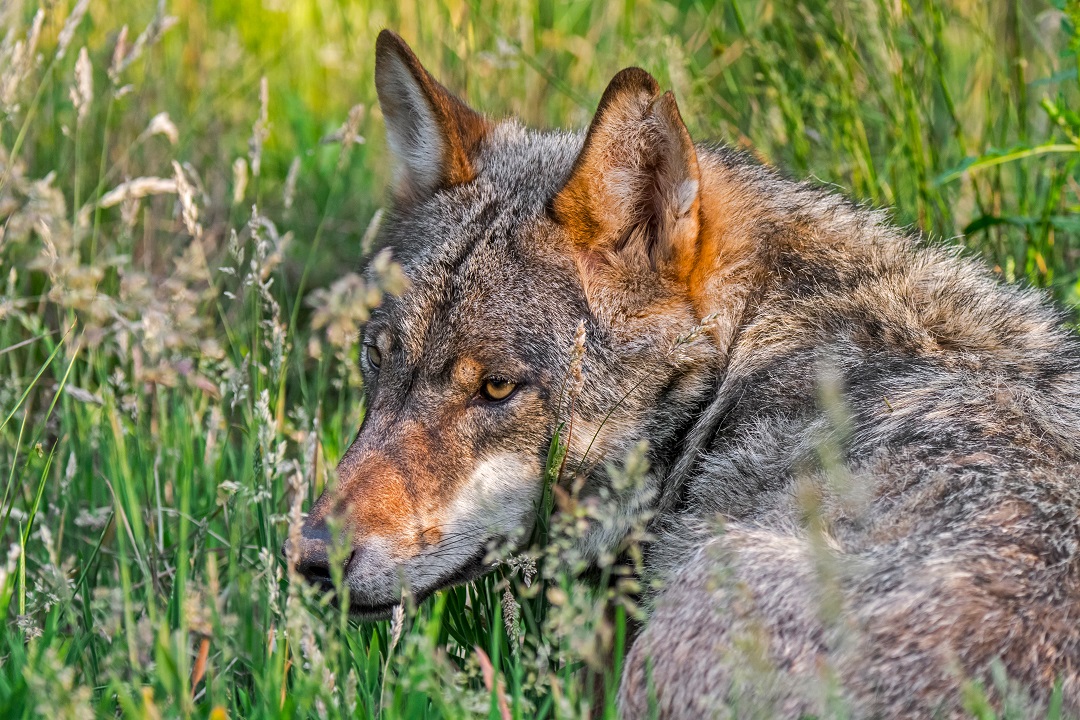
(498, 500)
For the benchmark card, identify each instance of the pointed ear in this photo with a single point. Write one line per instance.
(633, 190)
(433, 135)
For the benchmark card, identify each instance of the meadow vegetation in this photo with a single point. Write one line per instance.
(188, 192)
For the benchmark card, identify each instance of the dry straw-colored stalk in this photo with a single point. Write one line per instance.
(137, 189)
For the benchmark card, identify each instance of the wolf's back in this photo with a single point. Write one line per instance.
(894, 450)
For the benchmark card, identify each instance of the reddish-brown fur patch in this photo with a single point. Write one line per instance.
(467, 373)
(398, 491)
(582, 206)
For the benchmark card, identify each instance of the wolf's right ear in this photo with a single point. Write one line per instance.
(432, 133)
(632, 197)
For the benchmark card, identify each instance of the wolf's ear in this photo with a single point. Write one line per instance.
(633, 190)
(433, 134)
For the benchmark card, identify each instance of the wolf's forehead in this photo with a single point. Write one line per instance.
(518, 172)
(475, 297)
(527, 166)
(474, 253)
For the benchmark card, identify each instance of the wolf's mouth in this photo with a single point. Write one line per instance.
(370, 613)
(471, 569)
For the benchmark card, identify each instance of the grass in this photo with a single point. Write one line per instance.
(178, 196)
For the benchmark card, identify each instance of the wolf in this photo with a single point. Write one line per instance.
(863, 447)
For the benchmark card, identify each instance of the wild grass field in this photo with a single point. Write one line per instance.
(187, 194)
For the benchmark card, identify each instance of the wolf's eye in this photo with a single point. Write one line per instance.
(374, 356)
(497, 389)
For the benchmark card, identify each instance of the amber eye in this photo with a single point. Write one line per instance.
(374, 356)
(497, 389)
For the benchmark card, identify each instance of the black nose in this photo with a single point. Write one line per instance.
(313, 561)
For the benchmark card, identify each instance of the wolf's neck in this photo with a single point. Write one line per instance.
(749, 216)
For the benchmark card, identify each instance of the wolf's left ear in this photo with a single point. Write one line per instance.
(432, 133)
(633, 190)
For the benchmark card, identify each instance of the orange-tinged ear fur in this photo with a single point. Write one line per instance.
(433, 134)
(634, 189)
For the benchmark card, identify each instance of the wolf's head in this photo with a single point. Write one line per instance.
(510, 238)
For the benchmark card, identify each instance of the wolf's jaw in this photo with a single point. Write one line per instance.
(471, 569)
(371, 613)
